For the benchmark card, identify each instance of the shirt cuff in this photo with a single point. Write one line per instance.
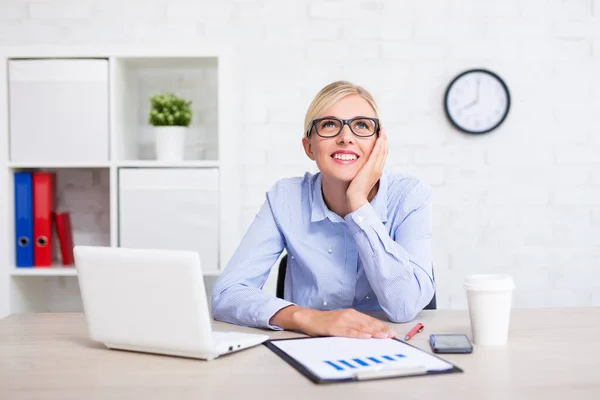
(269, 309)
(362, 218)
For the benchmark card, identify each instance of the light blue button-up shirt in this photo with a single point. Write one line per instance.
(375, 258)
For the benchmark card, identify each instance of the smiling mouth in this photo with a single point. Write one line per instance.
(344, 158)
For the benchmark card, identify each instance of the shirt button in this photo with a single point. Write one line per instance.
(324, 303)
(292, 257)
(330, 250)
(360, 218)
(367, 297)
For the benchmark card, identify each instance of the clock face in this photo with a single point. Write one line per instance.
(477, 101)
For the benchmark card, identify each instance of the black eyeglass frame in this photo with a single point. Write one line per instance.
(343, 122)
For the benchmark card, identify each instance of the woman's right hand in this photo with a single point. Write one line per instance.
(343, 323)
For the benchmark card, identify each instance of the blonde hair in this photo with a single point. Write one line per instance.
(331, 94)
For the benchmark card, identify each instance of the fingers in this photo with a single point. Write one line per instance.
(382, 143)
(371, 326)
(374, 158)
(354, 333)
(379, 150)
(379, 330)
(351, 323)
(374, 154)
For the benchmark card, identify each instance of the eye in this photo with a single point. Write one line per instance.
(365, 125)
(329, 124)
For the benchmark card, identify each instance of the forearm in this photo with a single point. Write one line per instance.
(348, 322)
(402, 288)
(237, 295)
(398, 277)
(290, 318)
(245, 305)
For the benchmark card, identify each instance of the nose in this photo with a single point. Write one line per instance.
(346, 135)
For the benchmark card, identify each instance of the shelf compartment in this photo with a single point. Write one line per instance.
(135, 79)
(58, 110)
(171, 209)
(85, 194)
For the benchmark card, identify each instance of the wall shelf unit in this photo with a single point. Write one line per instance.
(56, 270)
(81, 113)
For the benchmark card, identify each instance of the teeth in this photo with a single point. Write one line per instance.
(344, 157)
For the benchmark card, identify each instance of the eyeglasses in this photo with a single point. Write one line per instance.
(330, 127)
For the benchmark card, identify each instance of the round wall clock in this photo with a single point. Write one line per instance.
(477, 101)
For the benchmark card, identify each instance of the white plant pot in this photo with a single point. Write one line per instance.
(170, 142)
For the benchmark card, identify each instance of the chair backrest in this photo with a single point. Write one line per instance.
(281, 283)
(281, 276)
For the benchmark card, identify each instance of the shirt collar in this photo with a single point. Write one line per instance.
(320, 211)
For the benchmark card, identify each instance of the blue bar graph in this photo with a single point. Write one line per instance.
(360, 362)
(346, 363)
(334, 365)
(353, 363)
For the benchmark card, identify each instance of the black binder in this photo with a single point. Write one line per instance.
(383, 374)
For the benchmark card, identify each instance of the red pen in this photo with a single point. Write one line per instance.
(418, 328)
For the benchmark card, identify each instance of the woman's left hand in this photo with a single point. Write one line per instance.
(369, 174)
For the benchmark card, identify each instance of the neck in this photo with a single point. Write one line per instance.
(334, 195)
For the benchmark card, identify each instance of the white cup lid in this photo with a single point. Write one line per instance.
(489, 282)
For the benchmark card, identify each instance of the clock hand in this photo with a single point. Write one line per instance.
(471, 104)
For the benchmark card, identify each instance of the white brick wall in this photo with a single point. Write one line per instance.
(523, 200)
(59, 10)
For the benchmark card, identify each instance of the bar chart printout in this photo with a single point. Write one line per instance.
(340, 358)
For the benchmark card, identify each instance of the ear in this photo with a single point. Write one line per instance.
(308, 148)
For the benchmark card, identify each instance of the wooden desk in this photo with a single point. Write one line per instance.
(552, 354)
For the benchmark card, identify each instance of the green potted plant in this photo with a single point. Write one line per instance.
(170, 115)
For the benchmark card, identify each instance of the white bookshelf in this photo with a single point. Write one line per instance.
(108, 191)
(55, 270)
(162, 164)
(56, 165)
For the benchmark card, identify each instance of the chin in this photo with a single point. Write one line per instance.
(344, 177)
(340, 175)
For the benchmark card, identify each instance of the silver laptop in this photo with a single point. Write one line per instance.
(151, 301)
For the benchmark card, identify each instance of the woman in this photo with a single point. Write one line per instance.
(358, 238)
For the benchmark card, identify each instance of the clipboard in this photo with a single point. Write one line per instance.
(320, 359)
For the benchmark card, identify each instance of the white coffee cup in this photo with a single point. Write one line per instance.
(489, 299)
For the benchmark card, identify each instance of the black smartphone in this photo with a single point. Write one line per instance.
(450, 343)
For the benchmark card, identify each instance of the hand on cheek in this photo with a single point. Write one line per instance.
(369, 174)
